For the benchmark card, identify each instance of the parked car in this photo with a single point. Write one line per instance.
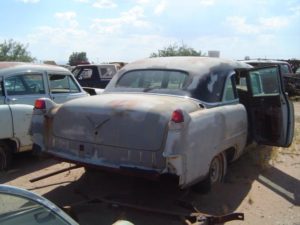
(291, 80)
(184, 116)
(21, 207)
(98, 76)
(20, 85)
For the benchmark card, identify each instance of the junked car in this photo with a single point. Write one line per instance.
(94, 75)
(20, 85)
(185, 116)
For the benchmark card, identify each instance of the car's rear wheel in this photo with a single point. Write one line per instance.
(5, 157)
(217, 171)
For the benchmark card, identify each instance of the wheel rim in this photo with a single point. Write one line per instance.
(216, 170)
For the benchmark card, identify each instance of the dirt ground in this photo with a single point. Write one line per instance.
(264, 184)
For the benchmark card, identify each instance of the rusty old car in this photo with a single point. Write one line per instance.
(185, 116)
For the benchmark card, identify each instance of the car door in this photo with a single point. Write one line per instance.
(63, 87)
(271, 114)
(6, 130)
(2, 95)
(24, 87)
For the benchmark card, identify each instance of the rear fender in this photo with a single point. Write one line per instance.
(190, 150)
(39, 129)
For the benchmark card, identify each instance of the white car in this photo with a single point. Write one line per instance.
(20, 85)
(184, 116)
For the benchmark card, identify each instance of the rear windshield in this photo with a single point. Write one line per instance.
(153, 79)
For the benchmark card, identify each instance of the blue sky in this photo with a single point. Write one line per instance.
(111, 30)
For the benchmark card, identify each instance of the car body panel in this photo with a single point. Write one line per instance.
(22, 115)
(6, 121)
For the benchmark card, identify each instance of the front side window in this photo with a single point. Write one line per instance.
(27, 84)
(153, 79)
(284, 69)
(62, 84)
(264, 81)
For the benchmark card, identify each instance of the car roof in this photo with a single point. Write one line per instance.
(264, 61)
(88, 65)
(12, 67)
(193, 65)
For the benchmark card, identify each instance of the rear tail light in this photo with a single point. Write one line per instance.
(177, 116)
(40, 104)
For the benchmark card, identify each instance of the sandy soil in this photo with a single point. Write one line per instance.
(264, 184)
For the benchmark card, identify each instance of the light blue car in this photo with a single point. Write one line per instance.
(20, 85)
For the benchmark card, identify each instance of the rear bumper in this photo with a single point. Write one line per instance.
(148, 174)
(107, 156)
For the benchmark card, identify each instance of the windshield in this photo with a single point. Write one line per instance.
(153, 79)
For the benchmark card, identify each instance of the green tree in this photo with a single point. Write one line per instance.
(78, 58)
(176, 50)
(14, 51)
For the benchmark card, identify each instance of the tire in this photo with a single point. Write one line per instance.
(216, 174)
(5, 157)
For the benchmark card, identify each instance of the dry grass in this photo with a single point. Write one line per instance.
(266, 156)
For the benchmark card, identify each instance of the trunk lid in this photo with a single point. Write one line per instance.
(132, 121)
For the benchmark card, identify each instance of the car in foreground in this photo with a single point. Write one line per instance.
(19, 206)
(184, 116)
(20, 85)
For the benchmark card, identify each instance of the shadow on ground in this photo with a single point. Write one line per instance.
(164, 195)
(25, 163)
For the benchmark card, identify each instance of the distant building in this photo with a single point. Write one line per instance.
(49, 62)
(213, 53)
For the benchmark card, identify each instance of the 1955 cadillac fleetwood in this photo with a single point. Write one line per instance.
(186, 116)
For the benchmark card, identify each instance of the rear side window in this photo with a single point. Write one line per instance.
(107, 72)
(26, 84)
(153, 79)
(62, 84)
(229, 91)
(85, 74)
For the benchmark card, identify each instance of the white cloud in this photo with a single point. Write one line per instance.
(65, 15)
(274, 22)
(240, 25)
(263, 24)
(29, 1)
(160, 8)
(207, 2)
(83, 1)
(295, 10)
(69, 17)
(104, 4)
(142, 2)
(133, 17)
